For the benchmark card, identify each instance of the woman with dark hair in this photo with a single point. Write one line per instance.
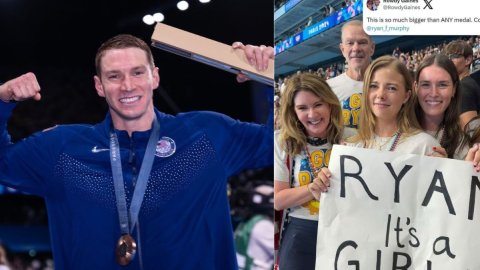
(437, 104)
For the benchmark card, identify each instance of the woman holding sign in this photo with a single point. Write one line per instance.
(387, 118)
(387, 115)
(310, 117)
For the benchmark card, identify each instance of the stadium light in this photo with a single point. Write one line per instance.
(204, 1)
(158, 17)
(182, 5)
(148, 19)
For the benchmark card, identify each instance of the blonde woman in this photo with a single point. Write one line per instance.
(387, 118)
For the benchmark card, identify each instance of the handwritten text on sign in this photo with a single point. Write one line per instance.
(396, 211)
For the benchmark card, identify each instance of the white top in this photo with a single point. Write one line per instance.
(349, 93)
(319, 156)
(260, 246)
(420, 144)
(349, 132)
(472, 126)
(460, 152)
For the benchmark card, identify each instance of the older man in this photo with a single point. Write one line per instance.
(357, 47)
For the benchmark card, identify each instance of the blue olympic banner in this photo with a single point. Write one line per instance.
(334, 19)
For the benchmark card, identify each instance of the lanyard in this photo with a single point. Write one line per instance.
(139, 192)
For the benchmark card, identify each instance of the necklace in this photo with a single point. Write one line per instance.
(379, 142)
(395, 141)
(315, 141)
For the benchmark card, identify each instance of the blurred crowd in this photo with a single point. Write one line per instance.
(411, 59)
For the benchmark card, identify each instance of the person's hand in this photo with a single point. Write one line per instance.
(21, 88)
(473, 155)
(321, 183)
(439, 151)
(257, 56)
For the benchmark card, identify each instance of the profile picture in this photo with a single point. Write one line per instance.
(373, 4)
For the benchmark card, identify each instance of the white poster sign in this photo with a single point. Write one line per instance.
(398, 211)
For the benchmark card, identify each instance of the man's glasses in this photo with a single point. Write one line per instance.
(454, 56)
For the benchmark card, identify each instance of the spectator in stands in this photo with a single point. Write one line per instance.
(309, 22)
(357, 47)
(310, 124)
(351, 11)
(461, 55)
(437, 104)
(476, 77)
(327, 8)
(388, 121)
(472, 129)
(254, 235)
(4, 264)
(333, 70)
(415, 67)
(282, 86)
(299, 30)
(331, 10)
(396, 52)
(476, 61)
(476, 45)
(325, 11)
(321, 72)
(328, 73)
(79, 170)
(280, 80)
(403, 59)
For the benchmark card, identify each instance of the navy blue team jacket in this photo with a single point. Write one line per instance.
(184, 222)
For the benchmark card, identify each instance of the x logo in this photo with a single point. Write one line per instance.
(428, 4)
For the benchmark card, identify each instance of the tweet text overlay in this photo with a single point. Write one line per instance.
(421, 17)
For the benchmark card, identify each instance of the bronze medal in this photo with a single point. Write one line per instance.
(126, 247)
(125, 251)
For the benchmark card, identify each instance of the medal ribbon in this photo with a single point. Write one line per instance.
(139, 192)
